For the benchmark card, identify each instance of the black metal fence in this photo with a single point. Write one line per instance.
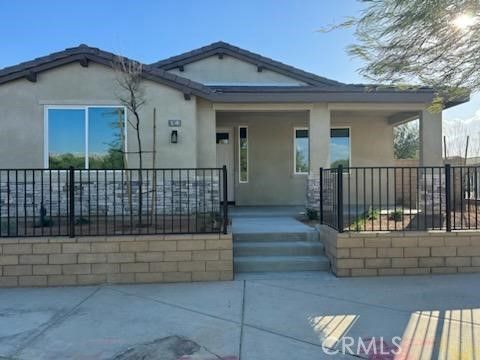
(400, 198)
(39, 202)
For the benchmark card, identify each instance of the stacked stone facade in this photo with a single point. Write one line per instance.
(108, 193)
(431, 191)
(329, 191)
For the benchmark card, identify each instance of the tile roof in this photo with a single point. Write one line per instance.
(318, 89)
(84, 52)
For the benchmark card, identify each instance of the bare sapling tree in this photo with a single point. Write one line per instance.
(154, 162)
(131, 93)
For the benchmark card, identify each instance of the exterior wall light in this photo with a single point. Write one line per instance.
(174, 137)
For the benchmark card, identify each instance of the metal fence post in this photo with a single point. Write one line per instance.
(340, 198)
(321, 194)
(448, 204)
(71, 197)
(225, 199)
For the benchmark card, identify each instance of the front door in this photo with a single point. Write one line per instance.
(225, 156)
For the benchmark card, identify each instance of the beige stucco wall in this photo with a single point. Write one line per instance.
(206, 130)
(230, 70)
(371, 141)
(22, 115)
(371, 137)
(431, 138)
(319, 140)
(271, 177)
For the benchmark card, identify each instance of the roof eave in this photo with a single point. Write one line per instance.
(293, 97)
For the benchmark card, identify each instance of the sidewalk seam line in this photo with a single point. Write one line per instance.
(175, 306)
(242, 321)
(55, 322)
(356, 302)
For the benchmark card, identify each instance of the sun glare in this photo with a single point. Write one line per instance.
(464, 21)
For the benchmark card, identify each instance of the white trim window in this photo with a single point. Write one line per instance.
(301, 158)
(340, 147)
(243, 154)
(85, 137)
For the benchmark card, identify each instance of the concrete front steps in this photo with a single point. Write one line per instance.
(276, 251)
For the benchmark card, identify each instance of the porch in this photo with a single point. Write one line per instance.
(271, 150)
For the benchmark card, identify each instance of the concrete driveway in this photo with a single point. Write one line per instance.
(276, 316)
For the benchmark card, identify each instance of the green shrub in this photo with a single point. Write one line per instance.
(396, 215)
(81, 221)
(358, 224)
(312, 214)
(372, 214)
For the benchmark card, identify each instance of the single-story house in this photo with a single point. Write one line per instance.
(270, 123)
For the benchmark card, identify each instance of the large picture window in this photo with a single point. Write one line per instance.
(301, 158)
(243, 153)
(85, 137)
(340, 147)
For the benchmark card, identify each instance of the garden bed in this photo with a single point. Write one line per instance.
(111, 225)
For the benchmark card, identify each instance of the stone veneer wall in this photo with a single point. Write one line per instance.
(401, 253)
(313, 191)
(104, 193)
(96, 260)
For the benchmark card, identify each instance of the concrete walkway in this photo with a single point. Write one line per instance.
(275, 316)
(267, 219)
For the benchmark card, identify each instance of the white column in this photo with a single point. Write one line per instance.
(431, 138)
(319, 137)
(206, 130)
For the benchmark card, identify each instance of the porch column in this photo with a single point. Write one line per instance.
(319, 137)
(206, 130)
(430, 138)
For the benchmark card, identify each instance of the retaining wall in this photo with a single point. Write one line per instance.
(58, 261)
(401, 253)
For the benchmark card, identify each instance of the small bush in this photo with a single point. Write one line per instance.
(215, 220)
(312, 214)
(44, 222)
(358, 224)
(372, 214)
(81, 221)
(396, 215)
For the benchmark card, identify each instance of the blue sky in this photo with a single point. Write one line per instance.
(152, 30)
